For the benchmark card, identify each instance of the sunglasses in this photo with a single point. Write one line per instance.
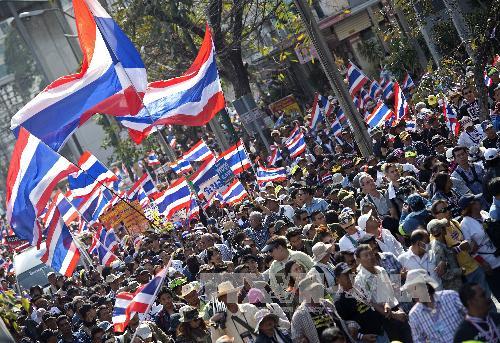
(444, 209)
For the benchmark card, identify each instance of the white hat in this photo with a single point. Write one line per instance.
(320, 250)
(490, 154)
(337, 179)
(261, 315)
(226, 287)
(418, 276)
(111, 278)
(190, 287)
(143, 331)
(363, 219)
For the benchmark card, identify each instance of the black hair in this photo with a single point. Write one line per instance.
(293, 193)
(307, 190)
(95, 330)
(61, 318)
(428, 162)
(441, 180)
(418, 236)
(467, 292)
(315, 213)
(278, 240)
(299, 212)
(164, 290)
(360, 249)
(292, 232)
(46, 335)
(459, 148)
(85, 309)
(331, 335)
(494, 186)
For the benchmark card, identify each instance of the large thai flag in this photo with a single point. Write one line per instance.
(341, 116)
(265, 175)
(112, 80)
(181, 167)
(198, 152)
(388, 89)
(194, 209)
(204, 173)
(234, 194)
(237, 158)
(379, 115)
(141, 197)
(128, 304)
(400, 104)
(450, 117)
(317, 110)
(92, 175)
(68, 207)
(107, 238)
(146, 183)
(336, 128)
(356, 78)
(296, 143)
(375, 90)
(192, 99)
(91, 208)
(408, 82)
(61, 252)
(175, 198)
(34, 171)
(275, 155)
(365, 97)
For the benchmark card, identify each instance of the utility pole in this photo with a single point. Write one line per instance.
(358, 126)
(456, 14)
(167, 149)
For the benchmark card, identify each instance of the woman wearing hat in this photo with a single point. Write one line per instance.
(192, 328)
(268, 330)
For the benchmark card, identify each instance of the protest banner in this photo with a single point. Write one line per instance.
(131, 214)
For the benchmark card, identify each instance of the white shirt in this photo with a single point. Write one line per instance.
(472, 138)
(288, 211)
(350, 242)
(389, 243)
(326, 278)
(410, 261)
(473, 231)
(377, 288)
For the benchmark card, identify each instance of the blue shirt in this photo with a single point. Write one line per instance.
(317, 204)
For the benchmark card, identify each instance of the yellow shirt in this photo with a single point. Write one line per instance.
(453, 238)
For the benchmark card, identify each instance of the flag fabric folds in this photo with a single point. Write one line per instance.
(237, 158)
(265, 175)
(375, 90)
(92, 175)
(112, 80)
(175, 198)
(451, 118)
(181, 167)
(400, 105)
(234, 194)
(105, 256)
(34, 171)
(317, 111)
(379, 115)
(61, 252)
(128, 304)
(146, 183)
(107, 238)
(204, 173)
(356, 78)
(153, 159)
(192, 99)
(408, 82)
(198, 152)
(275, 155)
(296, 143)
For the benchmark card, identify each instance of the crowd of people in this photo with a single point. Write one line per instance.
(401, 246)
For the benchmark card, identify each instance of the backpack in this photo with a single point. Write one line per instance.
(492, 229)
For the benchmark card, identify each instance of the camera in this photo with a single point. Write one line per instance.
(406, 187)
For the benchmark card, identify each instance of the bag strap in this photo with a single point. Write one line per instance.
(244, 324)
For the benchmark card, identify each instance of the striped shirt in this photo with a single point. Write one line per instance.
(439, 324)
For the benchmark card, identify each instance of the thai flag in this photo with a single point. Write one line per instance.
(106, 257)
(487, 80)
(192, 99)
(61, 252)
(198, 152)
(341, 116)
(388, 89)
(336, 128)
(450, 117)
(365, 97)
(296, 144)
(146, 183)
(194, 209)
(112, 80)
(107, 238)
(408, 82)
(316, 111)
(172, 141)
(153, 159)
(204, 173)
(140, 196)
(275, 155)
(175, 198)
(357, 102)
(128, 304)
(400, 104)
(67, 207)
(91, 208)
(118, 172)
(265, 175)
(92, 175)
(379, 115)
(234, 194)
(181, 167)
(375, 90)
(237, 158)
(356, 78)
(34, 171)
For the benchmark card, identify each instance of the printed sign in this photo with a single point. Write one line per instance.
(287, 104)
(130, 213)
(220, 181)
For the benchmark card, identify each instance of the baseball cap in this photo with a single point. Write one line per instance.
(467, 199)
(341, 268)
